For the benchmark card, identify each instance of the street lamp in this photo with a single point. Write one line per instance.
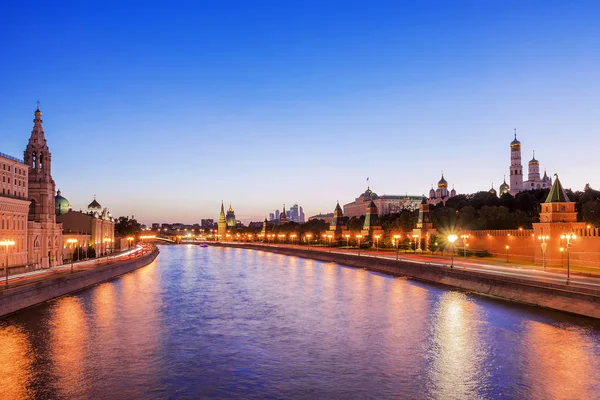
(377, 241)
(72, 241)
(6, 243)
(452, 238)
(358, 237)
(106, 241)
(569, 237)
(129, 241)
(465, 239)
(347, 240)
(308, 236)
(293, 237)
(544, 246)
(507, 247)
(415, 237)
(397, 240)
(330, 237)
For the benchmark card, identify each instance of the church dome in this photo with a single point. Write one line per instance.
(533, 161)
(432, 193)
(515, 142)
(493, 191)
(61, 204)
(94, 205)
(504, 188)
(442, 183)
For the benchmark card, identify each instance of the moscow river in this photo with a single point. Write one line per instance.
(233, 323)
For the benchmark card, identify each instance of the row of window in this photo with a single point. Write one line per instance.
(18, 182)
(12, 222)
(19, 171)
(15, 193)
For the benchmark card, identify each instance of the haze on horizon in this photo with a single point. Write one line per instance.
(162, 111)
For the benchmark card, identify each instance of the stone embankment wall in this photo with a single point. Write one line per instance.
(12, 300)
(554, 296)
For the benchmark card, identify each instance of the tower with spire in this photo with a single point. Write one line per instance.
(45, 238)
(557, 217)
(230, 218)
(338, 224)
(516, 168)
(41, 185)
(222, 224)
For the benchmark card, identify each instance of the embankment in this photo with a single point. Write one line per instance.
(580, 301)
(18, 298)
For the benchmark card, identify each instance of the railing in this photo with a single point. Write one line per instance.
(12, 158)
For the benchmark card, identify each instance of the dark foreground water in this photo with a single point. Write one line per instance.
(232, 323)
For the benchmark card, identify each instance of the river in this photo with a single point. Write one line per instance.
(234, 323)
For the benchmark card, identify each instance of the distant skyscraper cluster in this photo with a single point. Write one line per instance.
(295, 214)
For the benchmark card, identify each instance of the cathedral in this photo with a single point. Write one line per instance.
(534, 180)
(441, 194)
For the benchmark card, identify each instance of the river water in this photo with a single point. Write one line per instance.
(233, 323)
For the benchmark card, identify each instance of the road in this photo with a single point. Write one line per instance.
(32, 276)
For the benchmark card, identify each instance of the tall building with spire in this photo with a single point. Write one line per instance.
(222, 224)
(230, 218)
(45, 240)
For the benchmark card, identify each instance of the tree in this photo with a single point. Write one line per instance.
(124, 226)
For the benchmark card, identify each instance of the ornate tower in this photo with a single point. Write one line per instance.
(534, 170)
(41, 185)
(222, 224)
(516, 169)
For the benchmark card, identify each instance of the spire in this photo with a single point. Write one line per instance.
(557, 193)
(283, 217)
(222, 215)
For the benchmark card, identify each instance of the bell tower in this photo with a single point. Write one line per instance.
(41, 185)
(516, 168)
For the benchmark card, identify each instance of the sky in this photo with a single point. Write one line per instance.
(164, 109)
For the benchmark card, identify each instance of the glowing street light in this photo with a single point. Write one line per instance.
(415, 237)
(308, 236)
(72, 241)
(507, 247)
(377, 241)
(358, 237)
(129, 241)
(6, 243)
(544, 246)
(568, 237)
(397, 240)
(293, 237)
(347, 240)
(330, 237)
(452, 238)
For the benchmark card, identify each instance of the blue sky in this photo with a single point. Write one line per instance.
(164, 109)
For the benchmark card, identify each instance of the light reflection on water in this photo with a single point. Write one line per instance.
(231, 323)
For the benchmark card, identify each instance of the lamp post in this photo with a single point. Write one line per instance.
(358, 237)
(415, 237)
(129, 241)
(397, 240)
(569, 237)
(465, 239)
(293, 236)
(330, 239)
(507, 247)
(106, 241)
(377, 241)
(308, 236)
(72, 241)
(452, 238)
(544, 246)
(347, 240)
(6, 243)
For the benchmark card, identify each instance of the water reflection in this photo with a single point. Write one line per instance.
(16, 363)
(68, 345)
(566, 362)
(457, 349)
(224, 323)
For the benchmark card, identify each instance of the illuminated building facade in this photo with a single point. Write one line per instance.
(386, 204)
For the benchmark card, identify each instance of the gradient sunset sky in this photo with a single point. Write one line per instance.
(163, 110)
